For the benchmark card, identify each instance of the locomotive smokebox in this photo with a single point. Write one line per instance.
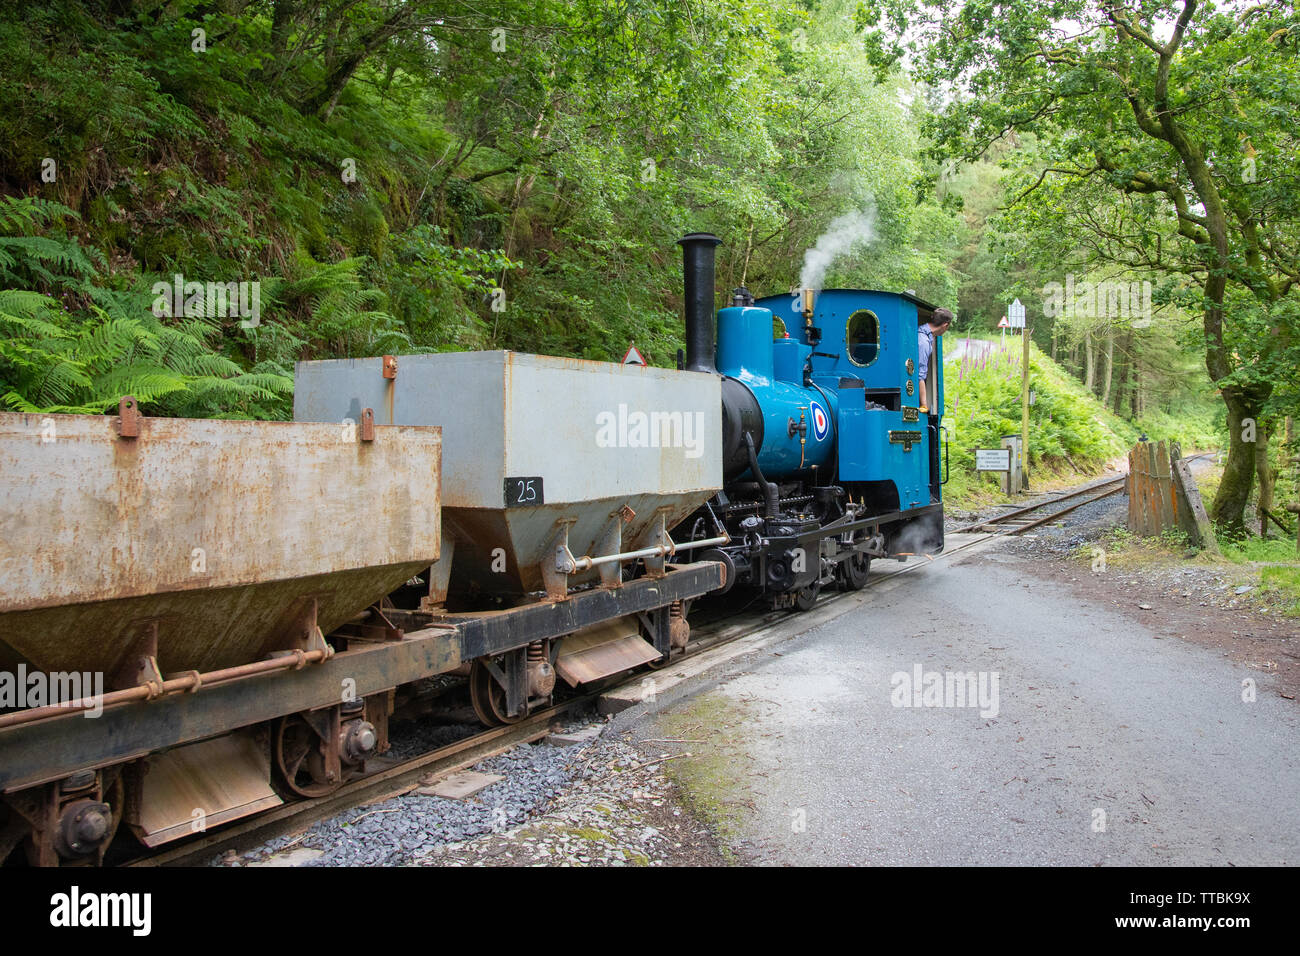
(697, 271)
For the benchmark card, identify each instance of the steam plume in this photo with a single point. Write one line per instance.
(840, 236)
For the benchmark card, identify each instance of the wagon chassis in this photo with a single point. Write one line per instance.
(60, 770)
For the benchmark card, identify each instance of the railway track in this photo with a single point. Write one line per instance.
(397, 778)
(1023, 519)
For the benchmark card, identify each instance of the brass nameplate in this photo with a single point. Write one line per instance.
(905, 437)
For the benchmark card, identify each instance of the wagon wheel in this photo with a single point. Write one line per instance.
(805, 598)
(488, 697)
(17, 834)
(299, 758)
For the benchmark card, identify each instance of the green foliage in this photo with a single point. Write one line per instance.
(439, 287)
(53, 362)
(94, 344)
(446, 156)
(404, 177)
(1164, 134)
(1195, 425)
(1174, 539)
(325, 310)
(982, 397)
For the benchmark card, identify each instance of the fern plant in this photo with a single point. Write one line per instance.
(326, 310)
(82, 352)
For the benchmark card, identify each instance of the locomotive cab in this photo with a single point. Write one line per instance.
(865, 363)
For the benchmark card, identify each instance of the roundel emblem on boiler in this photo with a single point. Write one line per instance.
(820, 421)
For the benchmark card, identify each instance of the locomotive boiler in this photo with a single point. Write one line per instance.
(828, 458)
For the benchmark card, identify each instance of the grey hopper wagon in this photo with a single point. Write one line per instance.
(557, 473)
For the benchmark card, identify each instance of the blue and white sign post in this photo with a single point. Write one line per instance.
(1016, 315)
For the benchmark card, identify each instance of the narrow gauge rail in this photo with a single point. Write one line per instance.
(247, 599)
(1018, 522)
(403, 777)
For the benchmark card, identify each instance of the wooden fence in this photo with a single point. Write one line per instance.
(1163, 496)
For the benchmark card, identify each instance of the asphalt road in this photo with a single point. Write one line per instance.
(1106, 744)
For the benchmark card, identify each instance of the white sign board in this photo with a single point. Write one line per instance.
(992, 459)
(1016, 315)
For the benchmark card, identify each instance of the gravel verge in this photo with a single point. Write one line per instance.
(596, 802)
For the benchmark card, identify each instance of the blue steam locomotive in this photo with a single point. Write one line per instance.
(828, 458)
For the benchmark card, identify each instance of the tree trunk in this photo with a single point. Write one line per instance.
(1266, 474)
(282, 17)
(1090, 357)
(1228, 510)
(1290, 454)
(1056, 336)
(1110, 366)
(340, 68)
(1126, 375)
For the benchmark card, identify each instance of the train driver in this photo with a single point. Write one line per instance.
(937, 325)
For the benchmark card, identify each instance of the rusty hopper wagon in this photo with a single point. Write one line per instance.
(165, 589)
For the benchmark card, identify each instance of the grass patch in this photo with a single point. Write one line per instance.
(1271, 550)
(1283, 583)
(708, 779)
(1121, 549)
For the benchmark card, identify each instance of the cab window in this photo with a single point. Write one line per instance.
(862, 337)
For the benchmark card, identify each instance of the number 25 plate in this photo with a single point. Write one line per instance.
(524, 492)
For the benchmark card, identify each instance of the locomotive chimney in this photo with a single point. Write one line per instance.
(697, 270)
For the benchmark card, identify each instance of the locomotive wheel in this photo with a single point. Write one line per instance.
(298, 757)
(488, 697)
(853, 572)
(807, 597)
